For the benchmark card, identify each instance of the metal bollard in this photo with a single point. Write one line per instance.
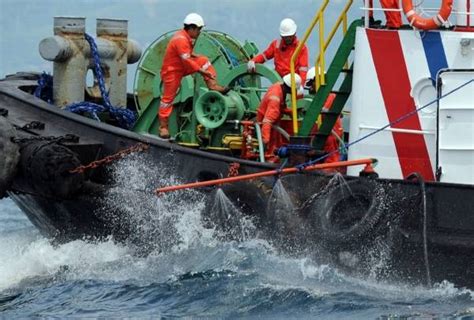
(67, 49)
(115, 51)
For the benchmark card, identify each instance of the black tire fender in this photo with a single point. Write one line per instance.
(9, 156)
(47, 164)
(346, 214)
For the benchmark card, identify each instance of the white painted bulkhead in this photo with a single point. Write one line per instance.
(456, 128)
(369, 112)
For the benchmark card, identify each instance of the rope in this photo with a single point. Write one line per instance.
(230, 56)
(303, 147)
(44, 82)
(303, 165)
(125, 117)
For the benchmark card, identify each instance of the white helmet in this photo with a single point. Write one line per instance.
(287, 80)
(194, 18)
(311, 76)
(287, 27)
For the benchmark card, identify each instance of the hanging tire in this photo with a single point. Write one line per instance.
(346, 215)
(9, 156)
(46, 166)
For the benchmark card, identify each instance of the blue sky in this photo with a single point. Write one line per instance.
(23, 23)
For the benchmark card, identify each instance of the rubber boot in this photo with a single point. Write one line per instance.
(213, 85)
(164, 131)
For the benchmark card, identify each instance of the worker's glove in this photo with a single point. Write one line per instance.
(226, 90)
(251, 66)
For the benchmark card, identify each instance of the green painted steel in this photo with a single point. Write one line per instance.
(335, 69)
(330, 117)
(213, 109)
(250, 85)
(203, 118)
(222, 50)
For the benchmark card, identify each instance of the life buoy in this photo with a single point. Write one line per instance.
(427, 23)
(347, 214)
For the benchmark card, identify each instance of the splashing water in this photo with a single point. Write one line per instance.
(163, 223)
(287, 229)
(195, 271)
(229, 223)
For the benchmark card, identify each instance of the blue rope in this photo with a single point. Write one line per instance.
(87, 107)
(230, 55)
(125, 117)
(44, 82)
(232, 58)
(300, 167)
(303, 147)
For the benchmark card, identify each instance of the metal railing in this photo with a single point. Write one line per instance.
(320, 60)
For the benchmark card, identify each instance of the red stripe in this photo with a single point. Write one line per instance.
(468, 9)
(395, 86)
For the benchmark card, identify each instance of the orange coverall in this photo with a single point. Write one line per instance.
(178, 63)
(332, 143)
(394, 18)
(281, 53)
(269, 112)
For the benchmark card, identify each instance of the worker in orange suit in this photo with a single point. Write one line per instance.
(332, 142)
(394, 18)
(180, 61)
(270, 110)
(281, 52)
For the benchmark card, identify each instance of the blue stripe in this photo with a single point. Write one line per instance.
(434, 52)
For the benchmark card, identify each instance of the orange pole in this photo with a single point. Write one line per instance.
(265, 174)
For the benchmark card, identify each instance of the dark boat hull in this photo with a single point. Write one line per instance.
(411, 239)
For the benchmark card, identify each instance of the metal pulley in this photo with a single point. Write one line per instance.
(212, 108)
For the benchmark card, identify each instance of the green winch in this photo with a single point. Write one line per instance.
(202, 118)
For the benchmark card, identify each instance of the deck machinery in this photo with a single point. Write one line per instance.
(207, 119)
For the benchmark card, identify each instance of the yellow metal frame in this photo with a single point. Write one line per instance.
(320, 63)
(320, 60)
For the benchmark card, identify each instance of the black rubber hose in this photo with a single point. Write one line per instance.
(421, 181)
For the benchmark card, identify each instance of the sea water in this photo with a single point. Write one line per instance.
(193, 271)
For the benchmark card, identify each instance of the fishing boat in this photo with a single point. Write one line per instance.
(411, 119)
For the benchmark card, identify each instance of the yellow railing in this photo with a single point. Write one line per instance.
(320, 60)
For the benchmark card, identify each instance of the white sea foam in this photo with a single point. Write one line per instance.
(25, 257)
(191, 247)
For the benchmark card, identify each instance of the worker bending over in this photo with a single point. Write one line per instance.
(270, 111)
(333, 140)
